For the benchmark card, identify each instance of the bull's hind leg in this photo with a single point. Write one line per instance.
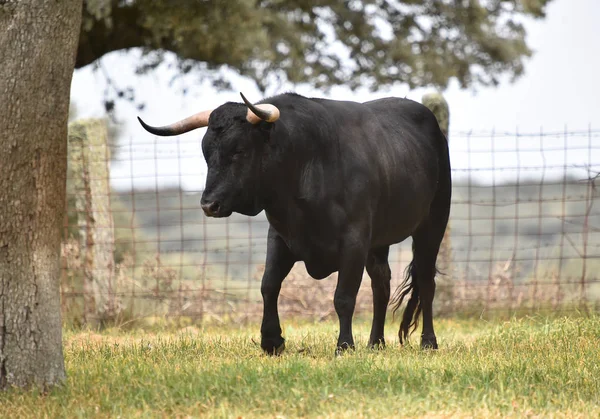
(426, 243)
(420, 279)
(279, 263)
(378, 269)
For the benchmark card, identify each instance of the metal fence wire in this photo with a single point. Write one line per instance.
(523, 234)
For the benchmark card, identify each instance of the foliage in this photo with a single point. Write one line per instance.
(366, 43)
(540, 367)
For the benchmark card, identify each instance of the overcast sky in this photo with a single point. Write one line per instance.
(561, 89)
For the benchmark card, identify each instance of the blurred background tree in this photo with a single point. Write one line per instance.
(358, 43)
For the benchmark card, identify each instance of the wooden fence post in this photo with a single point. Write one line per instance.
(438, 105)
(88, 172)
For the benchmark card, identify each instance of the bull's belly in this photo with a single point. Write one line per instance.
(388, 237)
(322, 257)
(398, 220)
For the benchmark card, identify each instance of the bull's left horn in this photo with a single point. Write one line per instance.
(261, 112)
(198, 120)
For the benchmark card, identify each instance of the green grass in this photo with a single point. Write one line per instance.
(529, 367)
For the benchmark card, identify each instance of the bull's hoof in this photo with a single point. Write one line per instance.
(428, 342)
(273, 346)
(377, 344)
(343, 348)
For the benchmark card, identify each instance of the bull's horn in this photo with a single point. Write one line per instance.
(262, 112)
(198, 120)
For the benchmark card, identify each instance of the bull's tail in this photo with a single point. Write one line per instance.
(410, 318)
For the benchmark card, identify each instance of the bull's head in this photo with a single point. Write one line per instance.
(233, 147)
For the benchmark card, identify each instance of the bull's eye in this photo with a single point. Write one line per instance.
(237, 155)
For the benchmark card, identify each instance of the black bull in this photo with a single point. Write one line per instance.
(339, 182)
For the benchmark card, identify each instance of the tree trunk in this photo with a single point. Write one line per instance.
(38, 42)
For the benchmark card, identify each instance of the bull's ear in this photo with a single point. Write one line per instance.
(262, 112)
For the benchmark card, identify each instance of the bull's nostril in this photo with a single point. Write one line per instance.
(211, 208)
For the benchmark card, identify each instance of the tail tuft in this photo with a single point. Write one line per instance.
(410, 318)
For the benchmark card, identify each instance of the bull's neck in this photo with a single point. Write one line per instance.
(291, 172)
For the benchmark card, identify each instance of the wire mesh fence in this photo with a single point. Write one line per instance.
(523, 236)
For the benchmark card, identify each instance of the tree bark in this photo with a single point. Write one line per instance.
(38, 43)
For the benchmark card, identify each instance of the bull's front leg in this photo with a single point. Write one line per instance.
(352, 265)
(279, 263)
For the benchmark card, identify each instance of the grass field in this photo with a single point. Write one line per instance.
(545, 367)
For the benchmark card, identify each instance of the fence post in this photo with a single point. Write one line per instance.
(88, 173)
(438, 105)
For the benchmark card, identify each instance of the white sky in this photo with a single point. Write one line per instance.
(560, 90)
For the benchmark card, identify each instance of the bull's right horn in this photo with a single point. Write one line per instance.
(262, 112)
(190, 123)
